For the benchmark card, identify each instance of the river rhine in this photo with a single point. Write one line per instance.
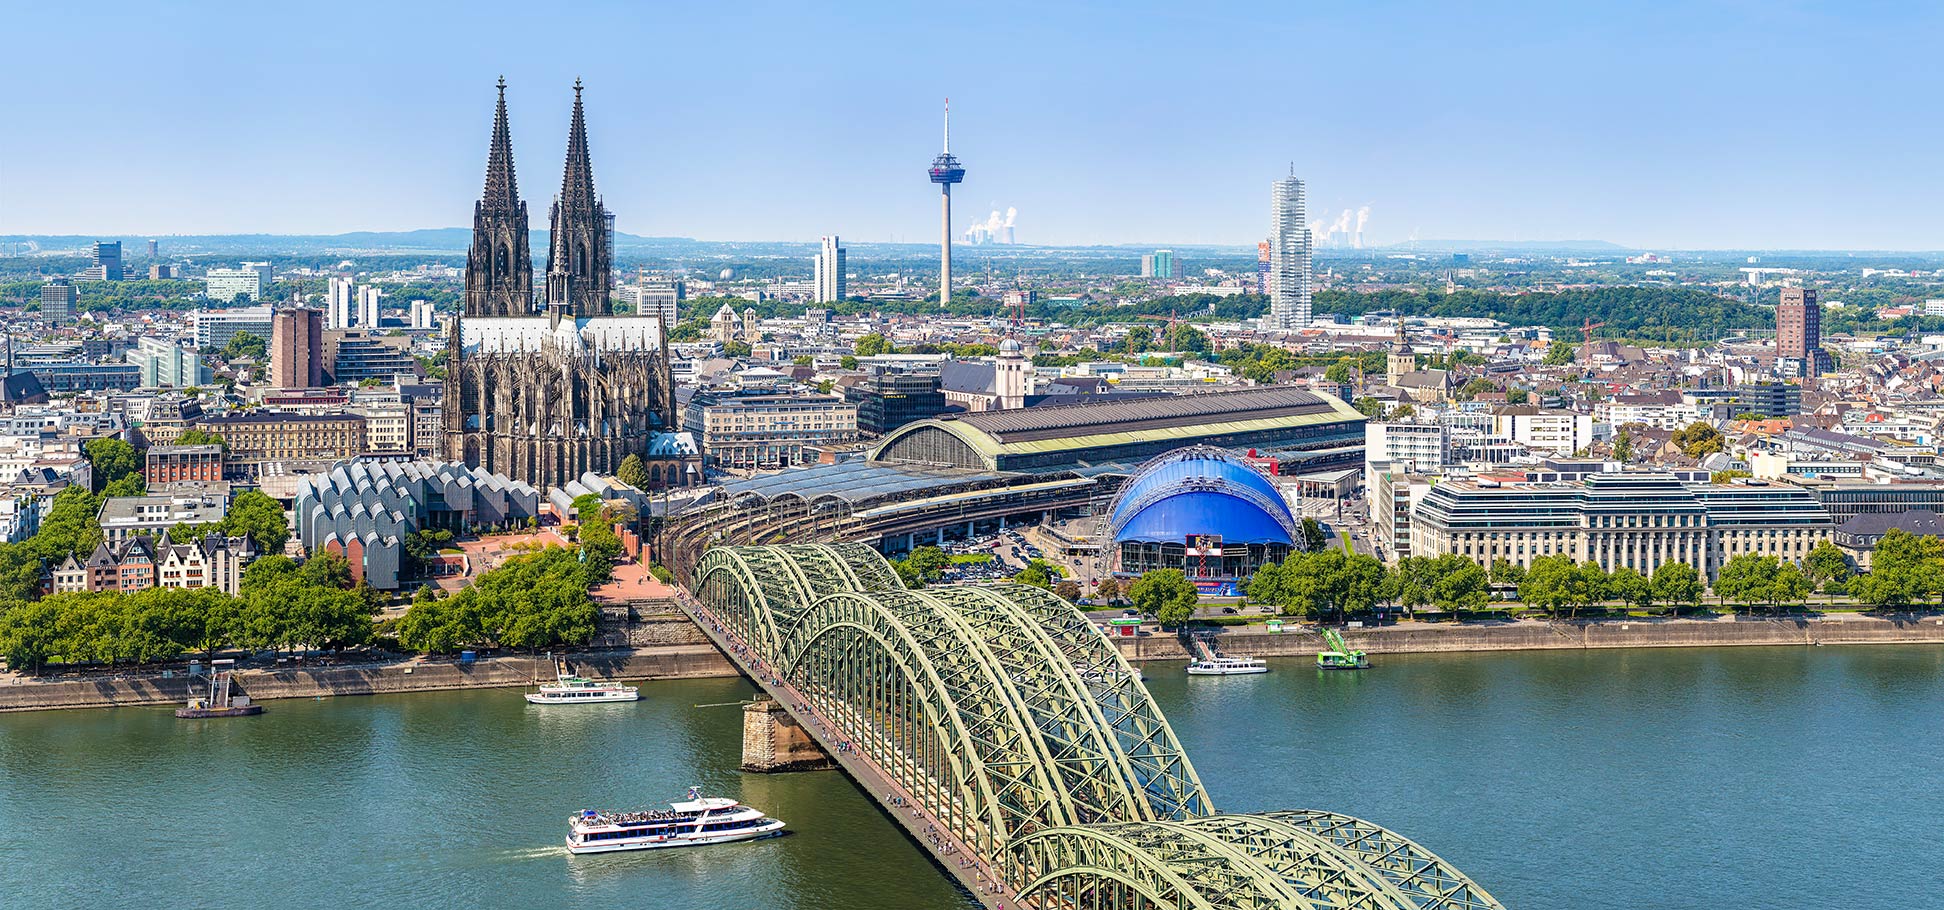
(1688, 778)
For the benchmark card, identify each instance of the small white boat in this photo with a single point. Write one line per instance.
(694, 822)
(579, 690)
(1226, 666)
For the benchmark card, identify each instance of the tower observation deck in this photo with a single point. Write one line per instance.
(945, 170)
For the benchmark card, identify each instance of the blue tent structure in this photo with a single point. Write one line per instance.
(1200, 490)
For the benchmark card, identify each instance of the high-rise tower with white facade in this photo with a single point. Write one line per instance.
(830, 270)
(1289, 256)
(368, 299)
(337, 303)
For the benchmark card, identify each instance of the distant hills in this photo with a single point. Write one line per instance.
(1536, 246)
(455, 240)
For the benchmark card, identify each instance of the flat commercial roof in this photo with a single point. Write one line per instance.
(859, 481)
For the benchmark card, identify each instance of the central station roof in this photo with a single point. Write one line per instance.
(1114, 430)
(1148, 414)
(860, 481)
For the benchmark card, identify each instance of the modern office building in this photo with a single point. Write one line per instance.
(889, 398)
(1158, 264)
(1798, 334)
(829, 267)
(1551, 431)
(766, 430)
(1289, 256)
(660, 297)
(1420, 448)
(423, 315)
(297, 349)
(368, 300)
(57, 300)
(124, 516)
(355, 355)
(167, 365)
(215, 328)
(1768, 399)
(86, 376)
(1637, 520)
(337, 303)
(1392, 491)
(159, 272)
(1846, 499)
(225, 285)
(107, 262)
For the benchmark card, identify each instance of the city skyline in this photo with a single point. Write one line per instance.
(1505, 124)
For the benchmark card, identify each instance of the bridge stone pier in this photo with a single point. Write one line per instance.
(1003, 730)
(774, 741)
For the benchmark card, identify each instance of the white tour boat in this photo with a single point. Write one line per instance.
(694, 822)
(579, 690)
(1226, 666)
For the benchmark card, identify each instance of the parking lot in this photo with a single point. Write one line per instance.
(1010, 552)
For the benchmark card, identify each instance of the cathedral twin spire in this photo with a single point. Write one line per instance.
(501, 188)
(499, 268)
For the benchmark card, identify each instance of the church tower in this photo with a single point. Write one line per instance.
(578, 258)
(1400, 360)
(1012, 376)
(499, 268)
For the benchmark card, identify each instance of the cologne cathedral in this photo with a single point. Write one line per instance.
(547, 393)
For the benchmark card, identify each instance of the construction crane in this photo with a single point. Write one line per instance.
(1339, 656)
(1587, 326)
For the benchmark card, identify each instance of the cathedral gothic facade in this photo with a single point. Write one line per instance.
(547, 393)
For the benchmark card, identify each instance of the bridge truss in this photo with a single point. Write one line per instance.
(1016, 724)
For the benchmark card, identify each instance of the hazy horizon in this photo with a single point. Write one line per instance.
(1694, 127)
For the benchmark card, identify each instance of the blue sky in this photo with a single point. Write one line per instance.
(1678, 125)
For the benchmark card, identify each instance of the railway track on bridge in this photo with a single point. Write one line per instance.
(1002, 729)
(950, 854)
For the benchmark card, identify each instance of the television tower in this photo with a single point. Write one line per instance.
(945, 171)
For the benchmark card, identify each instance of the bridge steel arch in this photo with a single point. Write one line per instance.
(1016, 724)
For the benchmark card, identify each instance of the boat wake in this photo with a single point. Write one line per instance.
(527, 853)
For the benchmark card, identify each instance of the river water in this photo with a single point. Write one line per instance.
(1690, 778)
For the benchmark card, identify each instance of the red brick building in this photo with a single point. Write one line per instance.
(168, 464)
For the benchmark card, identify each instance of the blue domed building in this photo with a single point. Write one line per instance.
(1203, 510)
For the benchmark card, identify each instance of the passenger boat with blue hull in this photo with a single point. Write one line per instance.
(693, 822)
